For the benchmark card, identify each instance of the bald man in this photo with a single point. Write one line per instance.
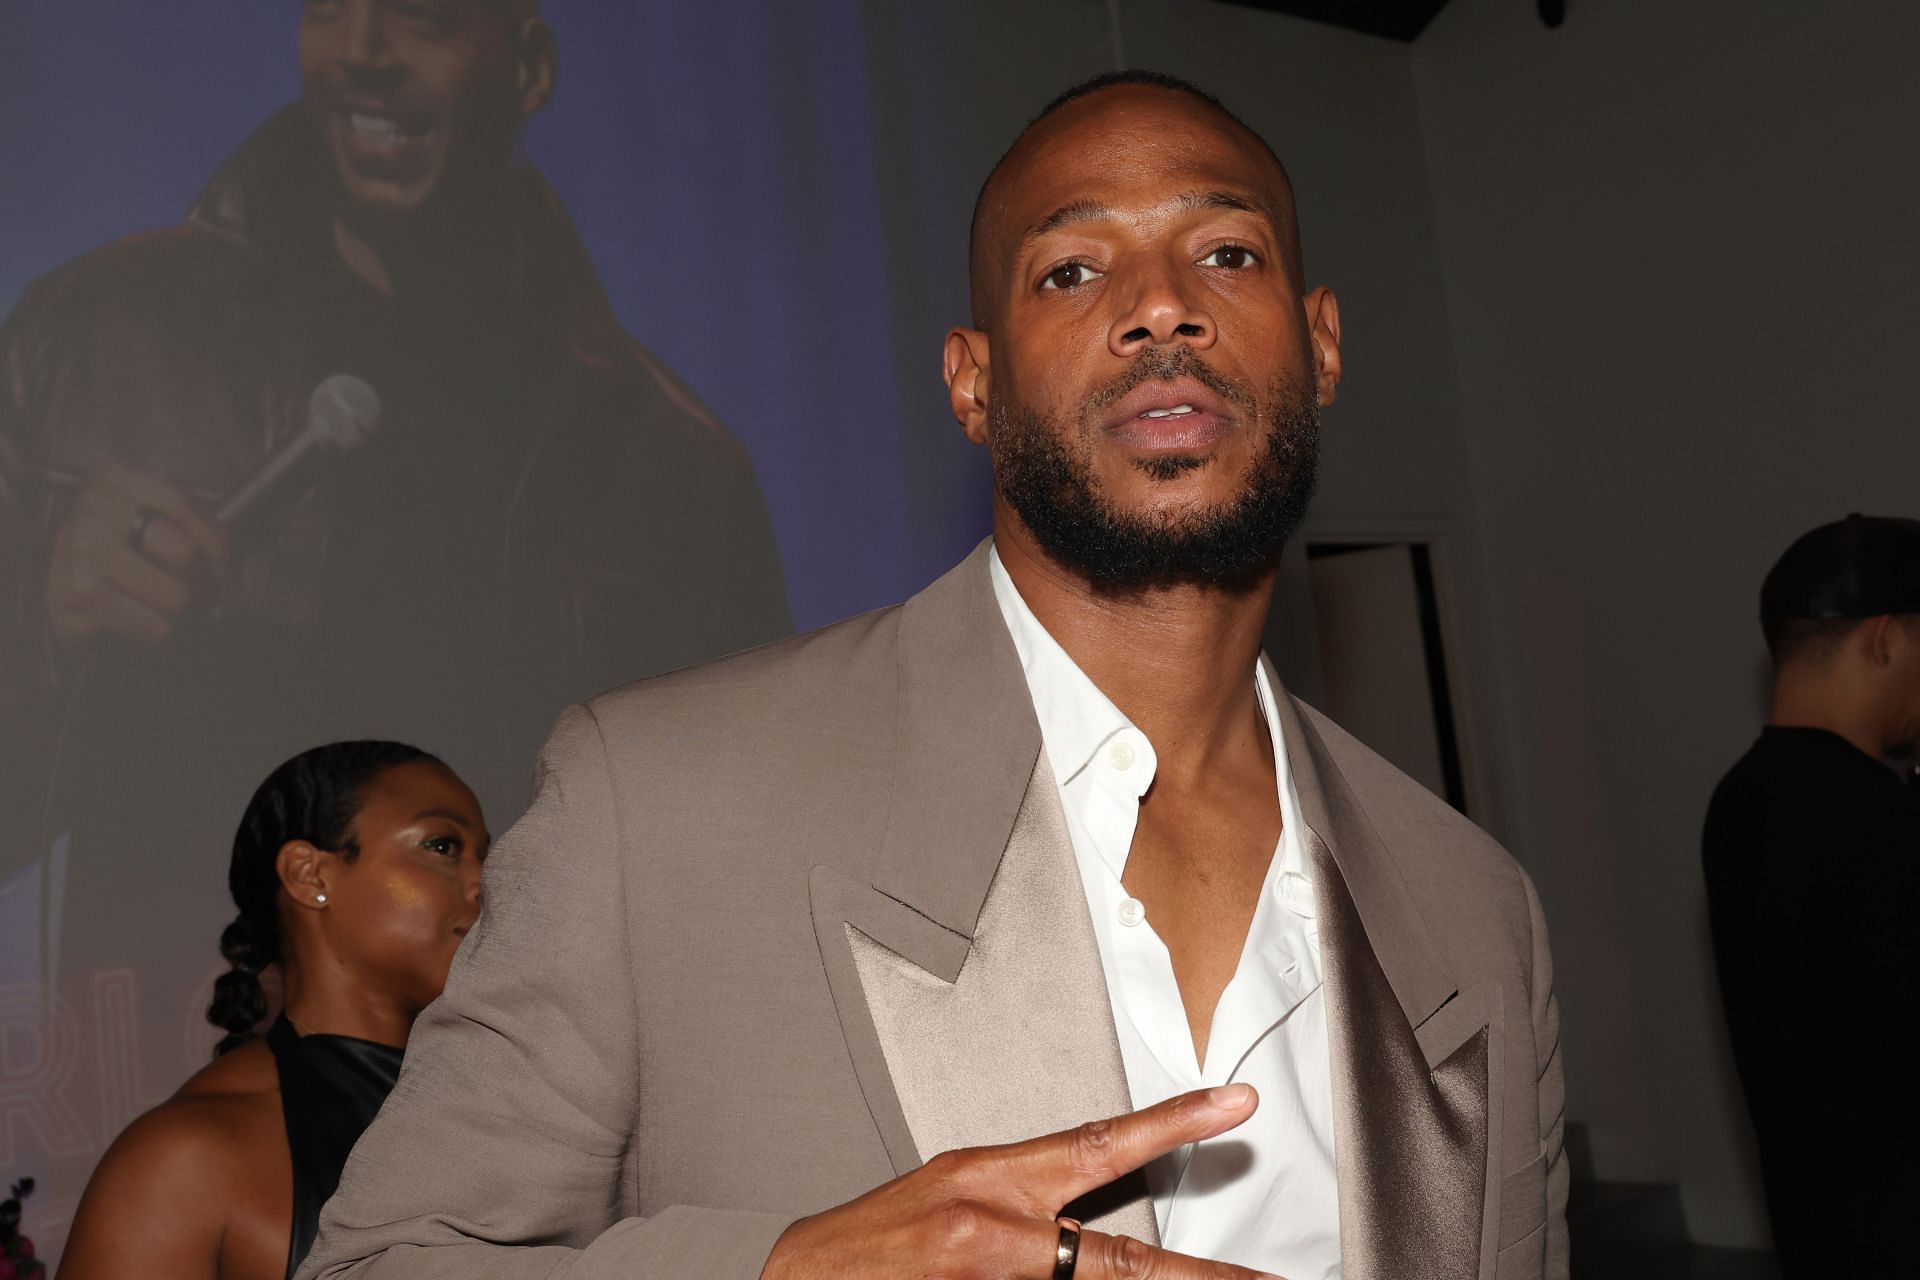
(1028, 928)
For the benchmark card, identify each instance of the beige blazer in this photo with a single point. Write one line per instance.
(779, 928)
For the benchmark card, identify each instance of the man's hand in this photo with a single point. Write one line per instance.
(990, 1212)
(121, 563)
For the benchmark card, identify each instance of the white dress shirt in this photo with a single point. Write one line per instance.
(1262, 1195)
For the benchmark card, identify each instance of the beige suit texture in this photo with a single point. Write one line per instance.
(779, 928)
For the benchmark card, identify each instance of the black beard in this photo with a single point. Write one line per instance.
(1230, 545)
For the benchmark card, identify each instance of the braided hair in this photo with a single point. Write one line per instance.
(313, 797)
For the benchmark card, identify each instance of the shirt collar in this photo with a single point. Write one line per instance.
(1077, 721)
(1293, 877)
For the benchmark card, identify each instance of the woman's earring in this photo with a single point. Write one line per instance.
(320, 897)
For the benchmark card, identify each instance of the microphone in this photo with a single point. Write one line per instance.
(342, 412)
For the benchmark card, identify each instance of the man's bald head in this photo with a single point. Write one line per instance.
(991, 241)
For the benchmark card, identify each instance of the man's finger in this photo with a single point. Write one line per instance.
(168, 545)
(1104, 1257)
(1062, 1167)
(151, 493)
(118, 615)
(127, 572)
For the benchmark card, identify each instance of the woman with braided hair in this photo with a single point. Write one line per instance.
(356, 871)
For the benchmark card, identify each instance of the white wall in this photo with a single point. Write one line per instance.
(1680, 265)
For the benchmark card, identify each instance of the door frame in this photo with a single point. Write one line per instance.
(1445, 541)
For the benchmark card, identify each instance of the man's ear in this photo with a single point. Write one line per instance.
(535, 64)
(964, 364)
(1886, 639)
(304, 871)
(1323, 328)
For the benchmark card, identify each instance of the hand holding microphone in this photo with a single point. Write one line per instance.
(341, 413)
(126, 560)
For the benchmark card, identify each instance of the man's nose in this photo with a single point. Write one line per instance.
(1161, 305)
(365, 45)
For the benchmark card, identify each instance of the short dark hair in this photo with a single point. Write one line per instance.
(1802, 640)
(1086, 88)
(1816, 640)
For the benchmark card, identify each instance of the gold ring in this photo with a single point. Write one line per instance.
(1066, 1254)
(137, 528)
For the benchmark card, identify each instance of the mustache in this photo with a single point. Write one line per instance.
(1164, 364)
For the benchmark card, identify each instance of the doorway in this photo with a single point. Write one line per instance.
(1362, 630)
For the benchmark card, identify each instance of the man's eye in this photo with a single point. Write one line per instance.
(1232, 257)
(1068, 275)
(434, 18)
(448, 845)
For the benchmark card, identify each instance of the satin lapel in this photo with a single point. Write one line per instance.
(966, 975)
(1410, 1141)
(1414, 1058)
(838, 905)
(1014, 1042)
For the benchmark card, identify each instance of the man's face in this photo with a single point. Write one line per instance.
(1153, 370)
(412, 96)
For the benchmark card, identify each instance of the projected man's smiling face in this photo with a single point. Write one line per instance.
(1147, 365)
(416, 96)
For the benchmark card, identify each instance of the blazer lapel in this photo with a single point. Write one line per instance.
(969, 987)
(1414, 1057)
(966, 975)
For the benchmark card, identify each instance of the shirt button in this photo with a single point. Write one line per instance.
(1122, 756)
(1132, 912)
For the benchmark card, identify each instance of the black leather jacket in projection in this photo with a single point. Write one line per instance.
(545, 511)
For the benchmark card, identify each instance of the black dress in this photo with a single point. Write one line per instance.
(331, 1087)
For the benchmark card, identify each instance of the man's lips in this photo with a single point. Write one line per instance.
(1180, 415)
(376, 112)
(378, 137)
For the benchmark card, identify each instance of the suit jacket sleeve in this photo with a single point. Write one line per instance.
(504, 1150)
(1552, 1090)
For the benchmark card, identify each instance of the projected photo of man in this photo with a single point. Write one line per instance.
(359, 449)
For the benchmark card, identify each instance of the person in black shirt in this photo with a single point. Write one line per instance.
(1809, 852)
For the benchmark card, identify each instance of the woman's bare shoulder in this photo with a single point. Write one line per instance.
(213, 1123)
(170, 1182)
